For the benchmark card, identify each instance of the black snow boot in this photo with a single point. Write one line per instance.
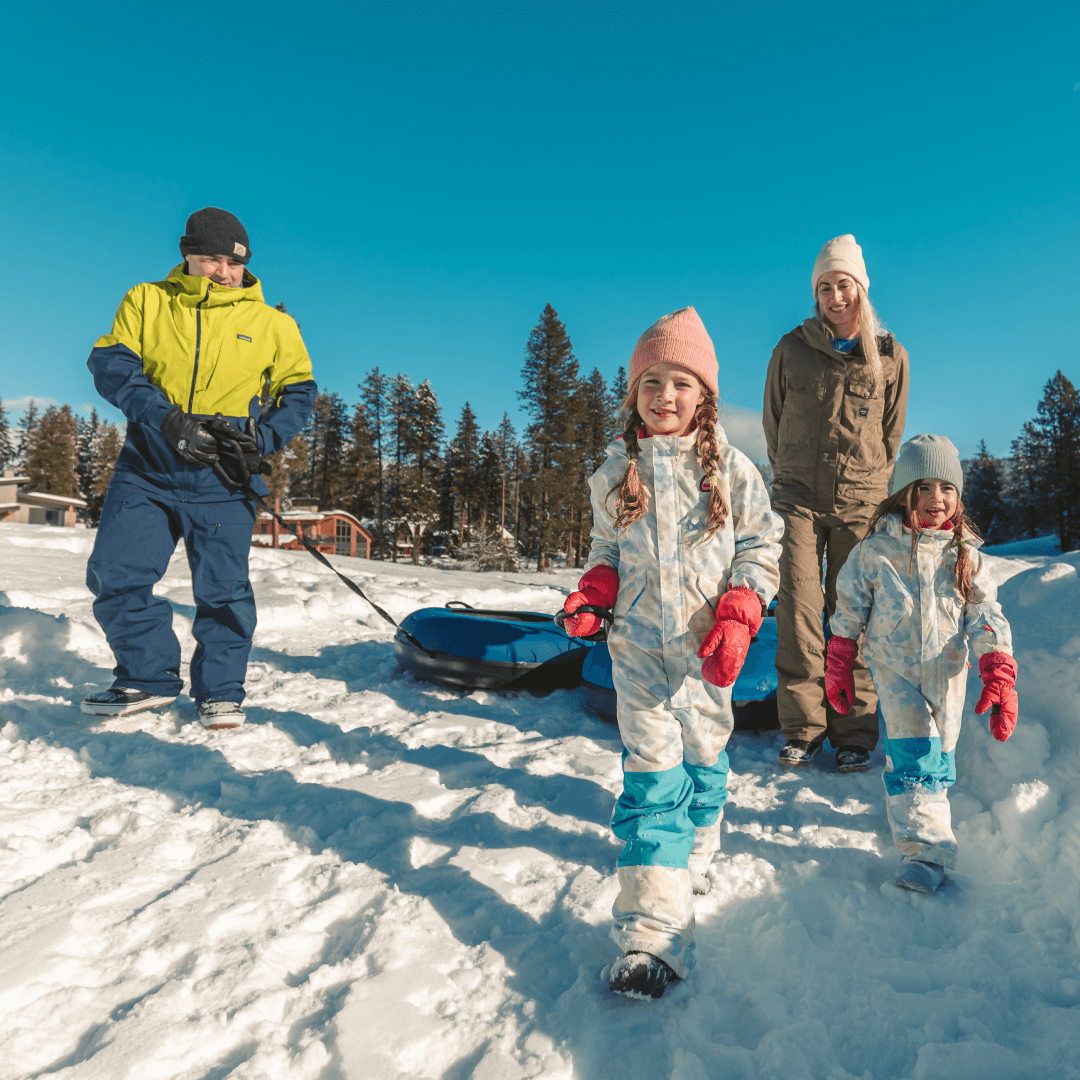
(852, 759)
(798, 753)
(640, 975)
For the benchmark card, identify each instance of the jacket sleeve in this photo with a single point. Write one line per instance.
(854, 595)
(116, 365)
(984, 622)
(292, 392)
(756, 564)
(605, 541)
(773, 405)
(895, 411)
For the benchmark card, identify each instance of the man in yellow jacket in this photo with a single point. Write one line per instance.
(200, 343)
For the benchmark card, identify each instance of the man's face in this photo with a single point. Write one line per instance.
(219, 268)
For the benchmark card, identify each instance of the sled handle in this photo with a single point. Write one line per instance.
(602, 613)
(455, 605)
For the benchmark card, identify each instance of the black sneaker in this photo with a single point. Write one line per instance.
(216, 715)
(798, 752)
(121, 700)
(852, 759)
(640, 975)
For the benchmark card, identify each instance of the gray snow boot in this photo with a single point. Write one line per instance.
(923, 877)
(640, 975)
(216, 715)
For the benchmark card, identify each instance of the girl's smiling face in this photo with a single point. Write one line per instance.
(667, 399)
(935, 503)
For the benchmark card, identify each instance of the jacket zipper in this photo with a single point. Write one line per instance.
(198, 346)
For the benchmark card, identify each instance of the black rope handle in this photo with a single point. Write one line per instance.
(246, 489)
(602, 613)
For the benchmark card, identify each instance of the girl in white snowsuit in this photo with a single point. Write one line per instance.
(685, 548)
(917, 591)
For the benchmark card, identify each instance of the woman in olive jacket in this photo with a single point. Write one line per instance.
(835, 399)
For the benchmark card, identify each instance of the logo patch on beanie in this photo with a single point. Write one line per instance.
(243, 337)
(239, 249)
(864, 411)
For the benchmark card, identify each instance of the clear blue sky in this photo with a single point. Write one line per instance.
(418, 180)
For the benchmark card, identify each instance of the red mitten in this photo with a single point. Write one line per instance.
(600, 586)
(839, 682)
(738, 619)
(998, 673)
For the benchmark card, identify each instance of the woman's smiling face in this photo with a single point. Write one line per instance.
(667, 399)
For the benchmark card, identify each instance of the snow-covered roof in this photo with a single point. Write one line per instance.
(46, 499)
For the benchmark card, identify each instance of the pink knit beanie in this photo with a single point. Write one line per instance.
(844, 254)
(679, 338)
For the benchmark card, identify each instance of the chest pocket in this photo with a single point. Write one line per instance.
(891, 619)
(860, 404)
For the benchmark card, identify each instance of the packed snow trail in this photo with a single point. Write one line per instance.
(382, 878)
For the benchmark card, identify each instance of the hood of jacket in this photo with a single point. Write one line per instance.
(189, 289)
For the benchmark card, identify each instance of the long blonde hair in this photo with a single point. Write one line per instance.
(903, 505)
(631, 495)
(870, 330)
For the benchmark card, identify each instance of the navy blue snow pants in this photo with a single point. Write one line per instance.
(136, 537)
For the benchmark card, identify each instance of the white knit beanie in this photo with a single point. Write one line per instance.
(840, 253)
(927, 457)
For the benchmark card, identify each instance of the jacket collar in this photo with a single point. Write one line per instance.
(894, 526)
(813, 333)
(191, 290)
(684, 443)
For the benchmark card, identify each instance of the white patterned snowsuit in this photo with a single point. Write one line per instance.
(674, 725)
(917, 631)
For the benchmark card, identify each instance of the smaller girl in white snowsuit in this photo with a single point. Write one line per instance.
(918, 589)
(685, 548)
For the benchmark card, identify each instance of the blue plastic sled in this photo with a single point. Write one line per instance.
(491, 650)
(753, 697)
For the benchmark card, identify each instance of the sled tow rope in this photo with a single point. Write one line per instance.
(299, 532)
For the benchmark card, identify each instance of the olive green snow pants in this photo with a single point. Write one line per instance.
(805, 713)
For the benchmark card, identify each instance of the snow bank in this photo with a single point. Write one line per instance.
(382, 878)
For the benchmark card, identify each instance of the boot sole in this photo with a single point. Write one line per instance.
(222, 727)
(124, 710)
(853, 768)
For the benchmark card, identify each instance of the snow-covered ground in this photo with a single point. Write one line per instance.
(382, 878)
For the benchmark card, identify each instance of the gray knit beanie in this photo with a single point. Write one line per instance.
(927, 457)
(211, 231)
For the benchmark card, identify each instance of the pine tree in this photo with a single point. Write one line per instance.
(463, 459)
(52, 454)
(984, 496)
(550, 374)
(373, 392)
(26, 428)
(421, 500)
(362, 466)
(593, 435)
(289, 465)
(1025, 494)
(108, 442)
(1057, 433)
(615, 400)
(84, 452)
(7, 450)
(506, 439)
(326, 433)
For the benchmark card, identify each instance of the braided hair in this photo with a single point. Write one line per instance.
(631, 495)
(903, 504)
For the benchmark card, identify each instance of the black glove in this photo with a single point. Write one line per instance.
(238, 451)
(189, 437)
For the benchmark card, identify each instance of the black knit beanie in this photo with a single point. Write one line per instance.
(211, 231)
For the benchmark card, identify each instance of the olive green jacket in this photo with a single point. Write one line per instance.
(832, 435)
